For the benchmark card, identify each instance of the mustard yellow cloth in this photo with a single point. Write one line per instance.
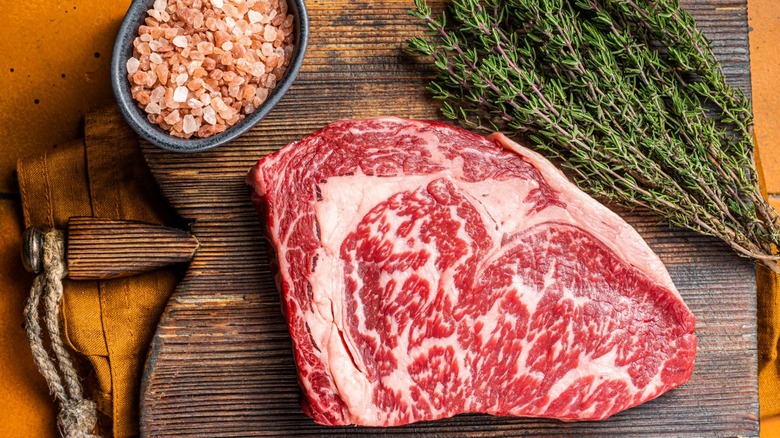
(768, 285)
(108, 323)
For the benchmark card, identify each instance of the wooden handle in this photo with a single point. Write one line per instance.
(99, 249)
(108, 248)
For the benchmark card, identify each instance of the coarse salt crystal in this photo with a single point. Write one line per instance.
(193, 65)
(132, 65)
(140, 77)
(190, 125)
(226, 59)
(217, 3)
(243, 65)
(254, 16)
(197, 20)
(158, 94)
(228, 76)
(231, 23)
(227, 46)
(180, 95)
(205, 47)
(182, 79)
(270, 33)
(162, 73)
(159, 5)
(180, 41)
(154, 14)
(199, 72)
(267, 49)
(205, 98)
(227, 113)
(195, 84)
(248, 92)
(230, 10)
(220, 37)
(194, 103)
(218, 104)
(144, 49)
(259, 69)
(209, 115)
(153, 108)
(211, 24)
(173, 117)
(256, 28)
(155, 58)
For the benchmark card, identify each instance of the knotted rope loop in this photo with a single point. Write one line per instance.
(45, 250)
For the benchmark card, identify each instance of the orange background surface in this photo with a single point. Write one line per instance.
(54, 62)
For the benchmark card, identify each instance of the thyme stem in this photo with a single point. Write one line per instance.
(626, 93)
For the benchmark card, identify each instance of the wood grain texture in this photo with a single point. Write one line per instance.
(100, 249)
(221, 362)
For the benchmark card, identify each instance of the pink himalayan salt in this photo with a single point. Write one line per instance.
(180, 70)
(205, 47)
(190, 125)
(254, 17)
(270, 33)
(182, 79)
(180, 41)
(209, 115)
(173, 117)
(153, 108)
(158, 94)
(180, 94)
(194, 103)
(132, 65)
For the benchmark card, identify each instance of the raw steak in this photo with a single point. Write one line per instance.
(426, 271)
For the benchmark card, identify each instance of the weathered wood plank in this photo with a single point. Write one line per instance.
(220, 364)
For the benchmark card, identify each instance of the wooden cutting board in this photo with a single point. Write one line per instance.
(221, 363)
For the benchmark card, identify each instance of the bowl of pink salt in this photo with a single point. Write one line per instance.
(190, 75)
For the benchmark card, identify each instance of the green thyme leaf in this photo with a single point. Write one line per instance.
(626, 93)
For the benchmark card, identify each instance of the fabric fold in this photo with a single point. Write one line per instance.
(109, 323)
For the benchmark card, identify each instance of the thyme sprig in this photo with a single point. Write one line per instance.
(627, 94)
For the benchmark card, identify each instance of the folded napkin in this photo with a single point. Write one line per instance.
(108, 323)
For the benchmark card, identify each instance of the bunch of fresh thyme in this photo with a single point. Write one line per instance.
(626, 93)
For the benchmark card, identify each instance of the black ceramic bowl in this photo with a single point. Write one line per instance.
(136, 117)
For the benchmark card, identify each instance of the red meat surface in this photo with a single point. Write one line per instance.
(426, 271)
